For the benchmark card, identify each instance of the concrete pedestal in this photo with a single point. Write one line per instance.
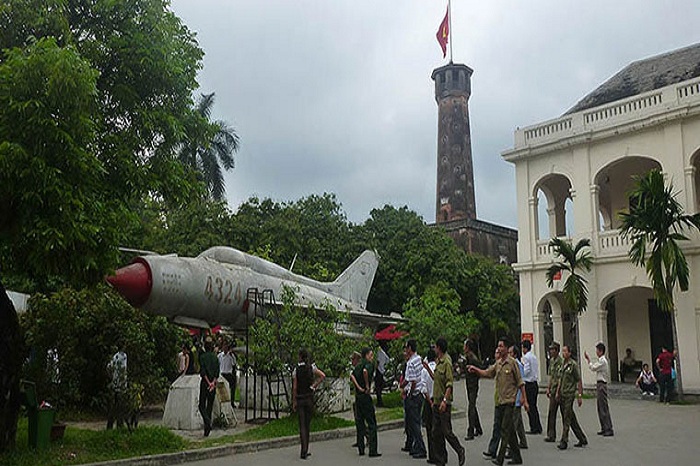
(182, 406)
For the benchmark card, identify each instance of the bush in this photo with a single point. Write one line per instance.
(73, 335)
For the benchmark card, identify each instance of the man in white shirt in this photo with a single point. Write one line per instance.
(117, 368)
(382, 359)
(413, 386)
(602, 375)
(531, 375)
(428, 402)
(227, 366)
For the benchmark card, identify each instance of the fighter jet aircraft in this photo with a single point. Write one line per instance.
(212, 288)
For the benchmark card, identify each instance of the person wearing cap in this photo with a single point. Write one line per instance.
(602, 374)
(555, 364)
(570, 388)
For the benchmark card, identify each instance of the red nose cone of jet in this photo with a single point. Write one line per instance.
(133, 282)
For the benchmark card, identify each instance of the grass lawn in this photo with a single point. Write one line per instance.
(283, 427)
(81, 446)
(85, 446)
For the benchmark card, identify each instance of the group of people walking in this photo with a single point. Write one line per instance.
(427, 388)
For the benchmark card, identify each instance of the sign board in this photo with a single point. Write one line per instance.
(557, 276)
(529, 337)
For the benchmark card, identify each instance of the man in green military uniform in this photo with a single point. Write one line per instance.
(555, 364)
(508, 383)
(443, 380)
(366, 420)
(569, 385)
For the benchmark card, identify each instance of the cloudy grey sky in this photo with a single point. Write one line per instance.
(336, 95)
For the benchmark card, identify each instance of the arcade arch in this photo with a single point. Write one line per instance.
(614, 182)
(555, 207)
(634, 321)
(695, 165)
(556, 322)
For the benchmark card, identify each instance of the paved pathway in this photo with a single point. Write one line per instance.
(646, 432)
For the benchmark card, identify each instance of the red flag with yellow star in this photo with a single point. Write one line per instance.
(444, 32)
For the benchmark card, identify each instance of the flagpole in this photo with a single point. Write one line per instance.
(449, 16)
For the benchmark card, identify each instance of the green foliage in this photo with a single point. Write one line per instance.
(206, 153)
(436, 313)
(94, 98)
(574, 260)
(84, 328)
(277, 339)
(656, 221)
(56, 220)
(313, 229)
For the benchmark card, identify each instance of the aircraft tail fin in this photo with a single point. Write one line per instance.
(354, 283)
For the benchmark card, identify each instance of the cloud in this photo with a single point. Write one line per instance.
(336, 95)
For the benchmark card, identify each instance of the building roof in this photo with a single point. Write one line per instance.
(644, 76)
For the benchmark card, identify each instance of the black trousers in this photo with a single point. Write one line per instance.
(442, 431)
(508, 437)
(428, 423)
(665, 387)
(206, 403)
(379, 387)
(305, 407)
(413, 407)
(474, 426)
(366, 423)
(531, 391)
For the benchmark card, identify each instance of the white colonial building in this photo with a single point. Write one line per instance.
(573, 174)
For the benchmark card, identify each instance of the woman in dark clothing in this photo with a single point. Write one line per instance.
(305, 379)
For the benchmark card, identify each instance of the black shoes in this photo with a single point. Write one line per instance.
(306, 455)
(462, 457)
(515, 462)
(375, 455)
(469, 437)
(608, 434)
(600, 433)
(487, 455)
(581, 443)
(562, 446)
(406, 449)
(549, 440)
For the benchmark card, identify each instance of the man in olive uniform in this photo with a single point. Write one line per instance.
(472, 381)
(555, 364)
(569, 385)
(443, 380)
(508, 382)
(366, 420)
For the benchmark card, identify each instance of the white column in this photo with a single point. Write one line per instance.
(534, 227)
(603, 326)
(595, 221)
(557, 326)
(552, 216)
(691, 196)
(540, 350)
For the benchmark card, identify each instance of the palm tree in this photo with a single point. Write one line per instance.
(655, 225)
(206, 155)
(574, 259)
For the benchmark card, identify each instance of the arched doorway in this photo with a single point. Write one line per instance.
(635, 322)
(557, 323)
(554, 207)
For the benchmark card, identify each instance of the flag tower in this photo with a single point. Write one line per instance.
(455, 198)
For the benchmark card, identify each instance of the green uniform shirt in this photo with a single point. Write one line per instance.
(555, 372)
(508, 380)
(570, 376)
(209, 365)
(442, 378)
(358, 372)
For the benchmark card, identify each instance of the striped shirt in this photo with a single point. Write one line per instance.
(414, 370)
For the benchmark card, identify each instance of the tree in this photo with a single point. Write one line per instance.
(436, 313)
(575, 259)
(207, 156)
(96, 96)
(12, 349)
(56, 219)
(655, 225)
